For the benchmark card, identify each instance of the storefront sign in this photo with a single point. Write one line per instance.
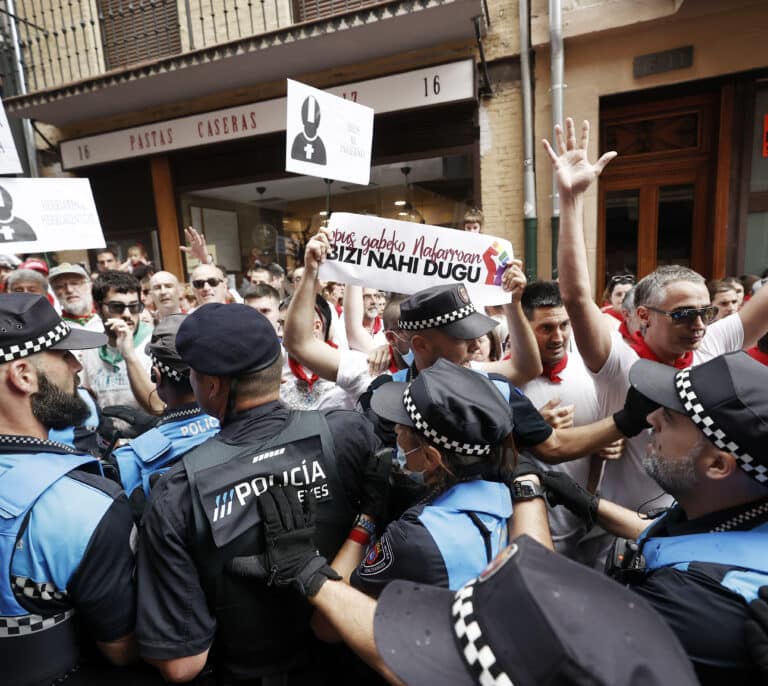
(42, 215)
(9, 157)
(327, 136)
(405, 257)
(419, 88)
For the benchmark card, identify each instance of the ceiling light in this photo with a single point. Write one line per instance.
(400, 203)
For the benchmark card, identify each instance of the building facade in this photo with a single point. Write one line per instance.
(175, 112)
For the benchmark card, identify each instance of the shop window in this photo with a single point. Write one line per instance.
(756, 248)
(136, 31)
(271, 220)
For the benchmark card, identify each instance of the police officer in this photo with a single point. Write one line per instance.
(183, 425)
(199, 553)
(705, 558)
(64, 529)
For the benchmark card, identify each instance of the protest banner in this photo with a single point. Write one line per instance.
(44, 215)
(9, 156)
(404, 257)
(327, 136)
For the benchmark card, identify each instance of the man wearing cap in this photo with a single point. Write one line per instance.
(7, 264)
(182, 427)
(705, 559)
(672, 303)
(118, 372)
(64, 549)
(72, 287)
(199, 565)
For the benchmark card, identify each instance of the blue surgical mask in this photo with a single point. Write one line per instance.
(402, 462)
(408, 358)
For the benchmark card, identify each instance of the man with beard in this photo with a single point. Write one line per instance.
(65, 556)
(703, 561)
(72, 287)
(118, 372)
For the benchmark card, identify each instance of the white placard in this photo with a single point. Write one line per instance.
(42, 215)
(435, 85)
(404, 257)
(9, 156)
(327, 136)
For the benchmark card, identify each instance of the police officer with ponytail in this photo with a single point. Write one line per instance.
(203, 599)
(182, 427)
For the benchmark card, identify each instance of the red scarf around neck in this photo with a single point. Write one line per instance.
(552, 373)
(642, 349)
(82, 320)
(758, 355)
(298, 371)
(627, 335)
(613, 313)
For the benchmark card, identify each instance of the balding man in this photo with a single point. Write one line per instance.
(209, 284)
(165, 291)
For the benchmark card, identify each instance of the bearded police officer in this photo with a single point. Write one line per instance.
(199, 555)
(65, 557)
(183, 425)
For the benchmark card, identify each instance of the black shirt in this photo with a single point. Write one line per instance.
(707, 617)
(176, 615)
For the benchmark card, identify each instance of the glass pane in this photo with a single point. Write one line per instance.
(621, 221)
(756, 253)
(759, 177)
(662, 134)
(675, 233)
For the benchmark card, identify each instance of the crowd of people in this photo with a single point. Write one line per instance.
(307, 482)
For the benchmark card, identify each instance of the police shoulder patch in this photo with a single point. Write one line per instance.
(378, 558)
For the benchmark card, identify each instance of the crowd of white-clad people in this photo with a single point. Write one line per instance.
(293, 481)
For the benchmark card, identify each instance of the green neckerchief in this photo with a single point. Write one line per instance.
(115, 358)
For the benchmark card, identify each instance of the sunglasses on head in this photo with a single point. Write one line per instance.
(622, 278)
(212, 282)
(119, 308)
(689, 315)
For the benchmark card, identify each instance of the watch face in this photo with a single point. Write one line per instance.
(525, 490)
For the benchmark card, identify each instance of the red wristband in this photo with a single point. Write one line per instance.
(359, 536)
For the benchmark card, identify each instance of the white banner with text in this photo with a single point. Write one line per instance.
(45, 215)
(405, 257)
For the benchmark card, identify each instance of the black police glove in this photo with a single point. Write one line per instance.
(289, 527)
(139, 421)
(631, 419)
(526, 466)
(376, 486)
(756, 632)
(561, 489)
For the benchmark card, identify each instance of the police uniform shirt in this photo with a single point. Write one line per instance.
(707, 617)
(73, 554)
(436, 542)
(174, 618)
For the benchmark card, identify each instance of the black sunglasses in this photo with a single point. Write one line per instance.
(622, 278)
(212, 282)
(689, 315)
(119, 308)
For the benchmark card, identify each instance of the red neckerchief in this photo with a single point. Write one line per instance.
(377, 325)
(298, 371)
(642, 349)
(552, 372)
(338, 309)
(69, 317)
(393, 366)
(613, 313)
(758, 355)
(627, 335)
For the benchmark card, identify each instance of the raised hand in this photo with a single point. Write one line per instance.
(197, 245)
(514, 281)
(573, 171)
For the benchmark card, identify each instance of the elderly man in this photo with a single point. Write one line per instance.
(72, 287)
(209, 284)
(67, 562)
(705, 559)
(27, 281)
(165, 291)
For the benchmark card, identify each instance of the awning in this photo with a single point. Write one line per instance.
(363, 35)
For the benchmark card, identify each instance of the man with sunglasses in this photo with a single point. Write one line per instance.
(672, 304)
(209, 284)
(118, 372)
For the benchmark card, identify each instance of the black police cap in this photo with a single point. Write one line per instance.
(162, 347)
(227, 340)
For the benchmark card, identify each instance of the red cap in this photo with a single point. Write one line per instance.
(36, 264)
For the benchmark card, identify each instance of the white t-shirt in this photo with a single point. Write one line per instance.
(578, 389)
(352, 380)
(625, 481)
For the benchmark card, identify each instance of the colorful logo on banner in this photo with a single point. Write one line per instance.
(496, 260)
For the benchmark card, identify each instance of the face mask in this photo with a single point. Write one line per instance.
(400, 456)
(408, 358)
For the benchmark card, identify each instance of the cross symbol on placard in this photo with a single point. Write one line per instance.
(7, 232)
(309, 150)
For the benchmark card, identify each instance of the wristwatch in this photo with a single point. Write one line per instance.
(365, 523)
(526, 489)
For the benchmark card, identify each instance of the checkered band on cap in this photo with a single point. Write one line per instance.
(438, 320)
(712, 431)
(476, 651)
(421, 425)
(166, 370)
(36, 345)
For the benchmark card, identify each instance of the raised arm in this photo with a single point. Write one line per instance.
(754, 317)
(574, 174)
(524, 361)
(298, 330)
(357, 337)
